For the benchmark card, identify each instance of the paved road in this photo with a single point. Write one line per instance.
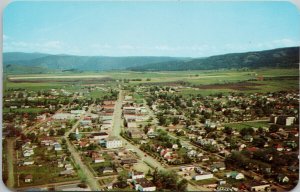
(117, 116)
(10, 163)
(91, 180)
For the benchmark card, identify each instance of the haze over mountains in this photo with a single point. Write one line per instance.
(20, 63)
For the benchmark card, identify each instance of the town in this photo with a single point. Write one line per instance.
(124, 135)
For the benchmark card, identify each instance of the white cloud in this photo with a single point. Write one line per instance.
(285, 42)
(46, 46)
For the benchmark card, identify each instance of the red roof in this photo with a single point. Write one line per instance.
(252, 149)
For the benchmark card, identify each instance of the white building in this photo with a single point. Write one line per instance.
(203, 176)
(100, 135)
(113, 142)
(78, 112)
(137, 175)
(57, 147)
(63, 116)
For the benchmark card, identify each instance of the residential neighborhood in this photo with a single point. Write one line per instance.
(143, 135)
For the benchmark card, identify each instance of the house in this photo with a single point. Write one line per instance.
(143, 184)
(199, 170)
(113, 142)
(283, 120)
(99, 136)
(279, 147)
(203, 176)
(109, 102)
(136, 175)
(129, 110)
(78, 112)
(187, 168)
(85, 122)
(28, 152)
(57, 147)
(235, 175)
(28, 162)
(67, 172)
(28, 179)
(217, 167)
(132, 125)
(192, 153)
(128, 161)
(107, 170)
(98, 159)
(63, 116)
(282, 178)
(261, 187)
(68, 166)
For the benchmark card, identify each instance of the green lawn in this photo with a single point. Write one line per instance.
(41, 175)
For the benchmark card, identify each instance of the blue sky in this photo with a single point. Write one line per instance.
(192, 29)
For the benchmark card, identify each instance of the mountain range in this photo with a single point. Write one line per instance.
(19, 62)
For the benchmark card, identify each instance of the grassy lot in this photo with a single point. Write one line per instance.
(205, 182)
(256, 124)
(138, 98)
(41, 174)
(97, 94)
(106, 181)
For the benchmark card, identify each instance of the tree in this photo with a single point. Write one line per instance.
(273, 128)
(258, 142)
(182, 185)
(61, 132)
(175, 120)
(227, 130)
(247, 131)
(51, 133)
(162, 120)
(72, 136)
(122, 177)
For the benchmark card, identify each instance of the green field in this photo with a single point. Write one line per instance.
(282, 79)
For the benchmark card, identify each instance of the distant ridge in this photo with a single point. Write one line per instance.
(20, 63)
(280, 58)
(17, 62)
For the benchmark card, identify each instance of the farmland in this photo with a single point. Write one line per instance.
(219, 80)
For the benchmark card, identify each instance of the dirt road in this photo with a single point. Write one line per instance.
(10, 163)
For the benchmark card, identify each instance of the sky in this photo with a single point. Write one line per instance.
(179, 29)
